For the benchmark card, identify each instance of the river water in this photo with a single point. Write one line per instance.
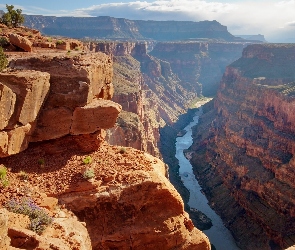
(218, 234)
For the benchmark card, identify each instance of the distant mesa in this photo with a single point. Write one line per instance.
(120, 28)
(259, 37)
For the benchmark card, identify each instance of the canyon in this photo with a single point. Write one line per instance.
(55, 109)
(244, 145)
(123, 104)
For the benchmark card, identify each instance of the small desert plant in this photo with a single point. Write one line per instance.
(88, 174)
(23, 175)
(87, 160)
(3, 176)
(3, 60)
(59, 42)
(41, 162)
(122, 150)
(49, 39)
(3, 41)
(38, 217)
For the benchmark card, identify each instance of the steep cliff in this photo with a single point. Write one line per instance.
(200, 63)
(55, 109)
(120, 28)
(45, 97)
(150, 94)
(243, 148)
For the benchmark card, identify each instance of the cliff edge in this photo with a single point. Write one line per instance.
(243, 151)
(56, 108)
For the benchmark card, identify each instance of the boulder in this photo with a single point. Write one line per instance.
(27, 90)
(7, 105)
(99, 114)
(15, 140)
(4, 239)
(20, 42)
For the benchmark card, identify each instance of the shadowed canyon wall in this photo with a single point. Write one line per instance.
(243, 151)
(199, 62)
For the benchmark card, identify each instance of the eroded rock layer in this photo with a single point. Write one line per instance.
(49, 96)
(151, 95)
(201, 63)
(244, 148)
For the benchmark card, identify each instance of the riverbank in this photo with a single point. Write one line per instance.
(218, 234)
(168, 136)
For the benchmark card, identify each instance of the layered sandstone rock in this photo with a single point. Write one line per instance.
(47, 97)
(20, 42)
(105, 27)
(199, 63)
(244, 148)
(123, 216)
(66, 233)
(24, 39)
(150, 94)
(22, 96)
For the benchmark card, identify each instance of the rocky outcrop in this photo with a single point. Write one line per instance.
(131, 222)
(20, 42)
(118, 28)
(243, 149)
(66, 232)
(119, 205)
(116, 191)
(25, 39)
(48, 97)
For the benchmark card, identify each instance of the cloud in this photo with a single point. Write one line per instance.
(242, 17)
(193, 10)
(290, 23)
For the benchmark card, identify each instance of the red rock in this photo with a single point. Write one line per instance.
(99, 114)
(30, 89)
(7, 102)
(20, 42)
(115, 214)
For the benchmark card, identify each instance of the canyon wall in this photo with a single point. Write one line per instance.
(243, 150)
(106, 27)
(150, 94)
(55, 108)
(200, 63)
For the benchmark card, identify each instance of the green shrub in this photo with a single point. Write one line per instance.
(122, 150)
(3, 41)
(39, 219)
(23, 175)
(3, 176)
(41, 162)
(59, 42)
(89, 173)
(87, 160)
(12, 18)
(3, 60)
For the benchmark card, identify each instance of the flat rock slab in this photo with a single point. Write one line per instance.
(99, 114)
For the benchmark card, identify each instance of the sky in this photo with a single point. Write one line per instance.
(275, 19)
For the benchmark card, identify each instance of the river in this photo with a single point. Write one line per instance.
(218, 234)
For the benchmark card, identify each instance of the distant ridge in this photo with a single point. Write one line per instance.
(105, 27)
(258, 37)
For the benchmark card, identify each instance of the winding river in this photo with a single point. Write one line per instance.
(218, 234)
